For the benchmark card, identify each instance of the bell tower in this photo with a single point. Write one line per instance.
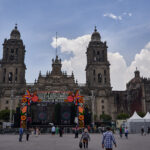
(97, 68)
(98, 76)
(12, 64)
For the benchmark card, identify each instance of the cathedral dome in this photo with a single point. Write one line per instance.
(95, 36)
(15, 34)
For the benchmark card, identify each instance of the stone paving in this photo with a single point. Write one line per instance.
(68, 142)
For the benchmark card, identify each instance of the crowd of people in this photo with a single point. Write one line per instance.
(107, 140)
(28, 131)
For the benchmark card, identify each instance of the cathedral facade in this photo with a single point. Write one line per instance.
(97, 91)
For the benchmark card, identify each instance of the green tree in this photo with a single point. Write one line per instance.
(122, 116)
(105, 117)
(141, 114)
(4, 115)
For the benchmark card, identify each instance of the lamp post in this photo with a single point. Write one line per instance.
(93, 106)
(11, 101)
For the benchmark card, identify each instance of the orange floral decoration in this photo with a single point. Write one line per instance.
(81, 117)
(80, 100)
(24, 100)
(24, 109)
(23, 117)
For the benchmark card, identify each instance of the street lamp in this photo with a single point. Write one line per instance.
(11, 101)
(93, 106)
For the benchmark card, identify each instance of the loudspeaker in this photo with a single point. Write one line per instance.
(65, 114)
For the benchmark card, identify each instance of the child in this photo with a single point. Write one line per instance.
(85, 137)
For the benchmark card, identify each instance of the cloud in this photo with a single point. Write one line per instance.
(127, 14)
(76, 63)
(112, 16)
(120, 73)
(115, 17)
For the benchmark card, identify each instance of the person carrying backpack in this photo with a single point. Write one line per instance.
(85, 138)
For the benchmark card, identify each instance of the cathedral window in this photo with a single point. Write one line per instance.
(102, 101)
(94, 79)
(97, 52)
(6, 108)
(7, 102)
(4, 75)
(10, 77)
(12, 50)
(16, 51)
(105, 80)
(102, 107)
(99, 78)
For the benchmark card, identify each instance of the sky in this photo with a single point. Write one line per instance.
(124, 24)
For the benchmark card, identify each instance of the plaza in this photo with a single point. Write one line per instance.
(68, 142)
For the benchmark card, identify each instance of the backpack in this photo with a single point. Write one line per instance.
(85, 136)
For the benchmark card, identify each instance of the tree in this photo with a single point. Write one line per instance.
(4, 114)
(141, 114)
(105, 117)
(122, 116)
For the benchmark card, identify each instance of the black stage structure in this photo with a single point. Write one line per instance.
(45, 113)
(52, 110)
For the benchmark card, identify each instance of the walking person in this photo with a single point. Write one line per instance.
(57, 130)
(76, 132)
(37, 132)
(27, 134)
(108, 139)
(85, 138)
(126, 133)
(120, 132)
(53, 130)
(142, 131)
(60, 131)
(20, 134)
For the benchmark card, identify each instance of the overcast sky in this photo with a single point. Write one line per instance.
(124, 24)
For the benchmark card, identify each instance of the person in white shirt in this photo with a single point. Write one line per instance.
(53, 130)
(126, 132)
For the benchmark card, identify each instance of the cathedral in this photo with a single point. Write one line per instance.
(53, 86)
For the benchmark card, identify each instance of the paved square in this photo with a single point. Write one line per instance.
(68, 142)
